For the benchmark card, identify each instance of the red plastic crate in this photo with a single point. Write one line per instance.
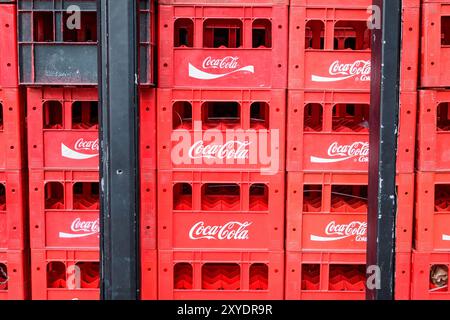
(147, 244)
(314, 64)
(11, 130)
(185, 275)
(329, 131)
(428, 271)
(14, 282)
(12, 210)
(329, 47)
(220, 211)
(435, 44)
(337, 276)
(8, 46)
(407, 130)
(65, 275)
(325, 276)
(63, 128)
(149, 275)
(434, 131)
(64, 209)
(228, 130)
(328, 212)
(223, 46)
(432, 219)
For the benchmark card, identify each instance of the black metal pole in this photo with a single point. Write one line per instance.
(118, 134)
(383, 148)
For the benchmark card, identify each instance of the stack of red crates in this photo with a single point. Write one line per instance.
(328, 149)
(63, 158)
(431, 258)
(221, 132)
(13, 249)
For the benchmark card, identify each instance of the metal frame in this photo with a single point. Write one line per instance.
(386, 44)
(118, 69)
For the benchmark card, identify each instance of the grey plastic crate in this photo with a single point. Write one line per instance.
(50, 53)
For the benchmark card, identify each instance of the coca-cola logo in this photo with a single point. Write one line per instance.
(360, 70)
(339, 153)
(224, 63)
(81, 229)
(232, 230)
(336, 232)
(86, 145)
(80, 146)
(229, 150)
(227, 63)
(445, 237)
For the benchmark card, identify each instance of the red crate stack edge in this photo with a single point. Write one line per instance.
(328, 149)
(14, 266)
(148, 194)
(63, 144)
(431, 257)
(64, 184)
(221, 149)
(63, 157)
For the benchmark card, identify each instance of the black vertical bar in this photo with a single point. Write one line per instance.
(118, 135)
(383, 147)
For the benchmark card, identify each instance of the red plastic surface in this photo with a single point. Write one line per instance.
(432, 219)
(435, 45)
(409, 60)
(14, 281)
(424, 266)
(54, 275)
(11, 130)
(332, 3)
(328, 212)
(149, 275)
(434, 131)
(403, 276)
(329, 48)
(12, 210)
(221, 46)
(230, 275)
(64, 209)
(148, 210)
(228, 130)
(220, 211)
(8, 46)
(329, 131)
